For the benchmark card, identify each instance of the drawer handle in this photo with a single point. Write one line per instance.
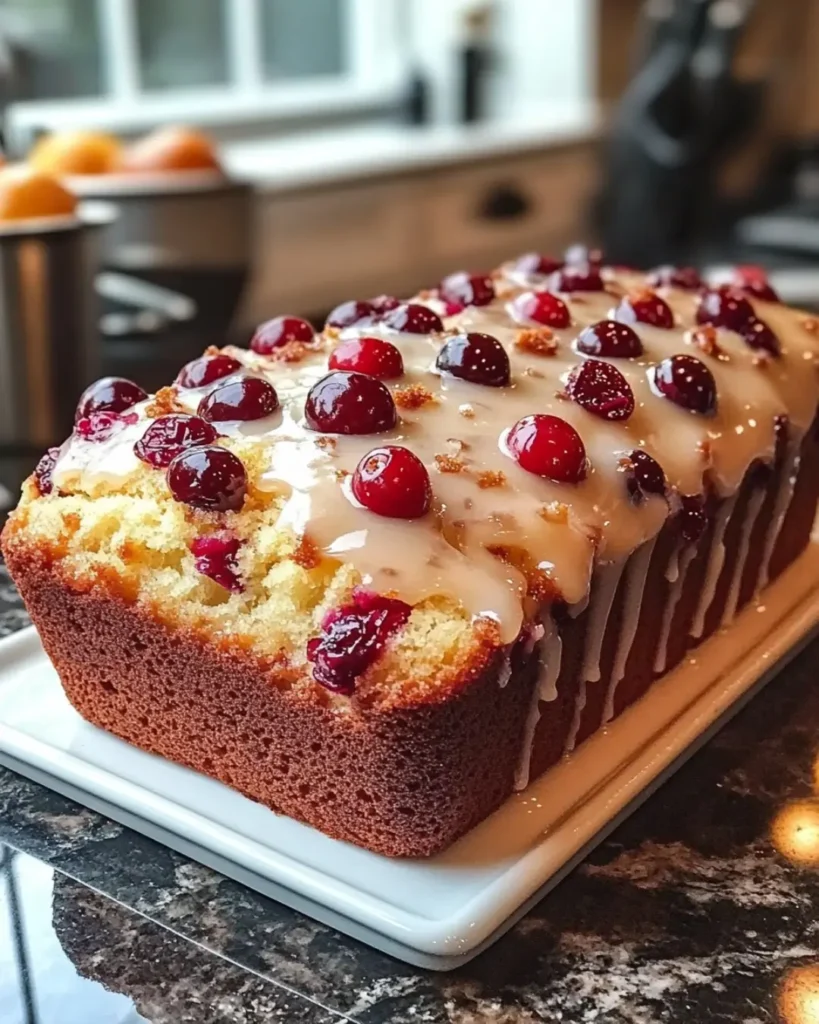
(504, 202)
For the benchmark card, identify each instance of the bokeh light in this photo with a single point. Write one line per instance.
(795, 832)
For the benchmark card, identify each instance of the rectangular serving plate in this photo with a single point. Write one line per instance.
(436, 913)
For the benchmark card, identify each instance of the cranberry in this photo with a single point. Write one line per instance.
(758, 335)
(353, 637)
(206, 369)
(248, 398)
(541, 308)
(167, 436)
(215, 557)
(754, 281)
(374, 356)
(44, 470)
(686, 381)
(384, 303)
(413, 318)
(725, 306)
(475, 357)
(582, 255)
(355, 311)
(693, 519)
(548, 446)
(645, 308)
(101, 426)
(534, 263)
(644, 476)
(609, 338)
(580, 277)
(686, 278)
(601, 389)
(209, 478)
(111, 394)
(467, 289)
(392, 481)
(272, 334)
(345, 402)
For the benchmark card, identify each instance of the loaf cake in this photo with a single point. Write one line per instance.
(380, 576)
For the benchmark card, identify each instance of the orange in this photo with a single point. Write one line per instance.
(75, 153)
(26, 193)
(172, 148)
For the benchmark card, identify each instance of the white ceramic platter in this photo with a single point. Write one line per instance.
(436, 913)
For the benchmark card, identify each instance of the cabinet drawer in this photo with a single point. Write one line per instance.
(495, 211)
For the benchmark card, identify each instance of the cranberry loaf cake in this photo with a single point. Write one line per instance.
(379, 576)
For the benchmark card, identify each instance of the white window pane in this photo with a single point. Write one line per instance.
(182, 43)
(302, 38)
(54, 47)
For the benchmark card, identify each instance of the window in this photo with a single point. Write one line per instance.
(124, 65)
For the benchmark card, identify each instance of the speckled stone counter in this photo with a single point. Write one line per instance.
(701, 907)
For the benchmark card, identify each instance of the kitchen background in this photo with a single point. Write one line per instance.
(372, 145)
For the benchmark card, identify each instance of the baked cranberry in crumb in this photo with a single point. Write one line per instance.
(167, 436)
(467, 289)
(110, 394)
(374, 356)
(535, 263)
(101, 426)
(580, 277)
(686, 381)
(206, 369)
(215, 557)
(548, 446)
(352, 312)
(645, 308)
(272, 334)
(693, 520)
(726, 307)
(44, 470)
(247, 398)
(754, 281)
(346, 402)
(541, 308)
(413, 318)
(475, 357)
(392, 481)
(685, 278)
(644, 475)
(758, 335)
(609, 338)
(353, 637)
(601, 389)
(209, 478)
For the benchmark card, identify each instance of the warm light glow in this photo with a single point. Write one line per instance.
(795, 833)
(798, 998)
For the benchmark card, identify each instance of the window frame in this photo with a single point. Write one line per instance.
(377, 69)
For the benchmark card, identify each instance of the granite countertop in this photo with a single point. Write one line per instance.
(701, 907)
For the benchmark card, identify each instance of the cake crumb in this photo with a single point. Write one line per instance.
(448, 464)
(554, 512)
(491, 478)
(291, 352)
(466, 411)
(307, 554)
(810, 324)
(341, 474)
(705, 339)
(327, 444)
(537, 340)
(165, 402)
(412, 396)
(456, 446)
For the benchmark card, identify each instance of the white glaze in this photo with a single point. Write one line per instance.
(784, 494)
(603, 589)
(754, 505)
(681, 558)
(716, 560)
(545, 691)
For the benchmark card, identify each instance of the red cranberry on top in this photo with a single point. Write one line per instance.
(475, 357)
(601, 389)
(101, 426)
(209, 478)
(353, 313)
(413, 318)
(374, 356)
(580, 277)
(392, 481)
(541, 308)
(346, 402)
(110, 394)
(548, 446)
(646, 308)
(167, 436)
(725, 306)
(207, 369)
(467, 289)
(644, 475)
(686, 381)
(754, 281)
(609, 338)
(534, 263)
(247, 398)
(581, 255)
(685, 278)
(384, 303)
(272, 334)
(43, 472)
